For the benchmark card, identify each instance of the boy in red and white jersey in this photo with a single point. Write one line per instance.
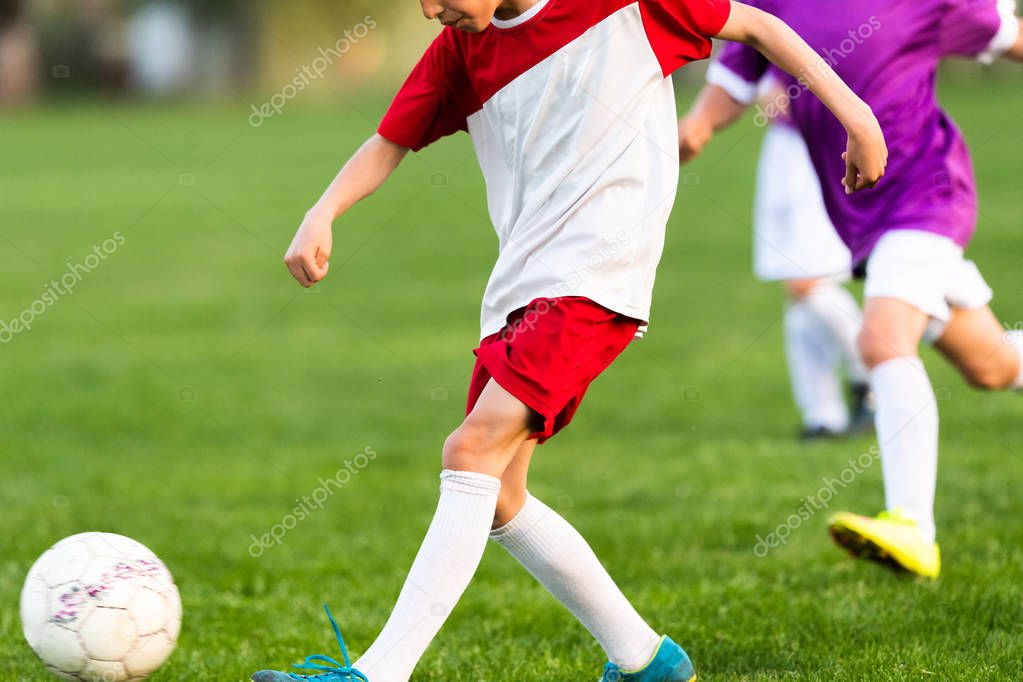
(573, 118)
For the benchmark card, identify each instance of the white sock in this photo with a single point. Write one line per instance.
(561, 560)
(1015, 337)
(935, 330)
(907, 429)
(447, 560)
(838, 311)
(813, 360)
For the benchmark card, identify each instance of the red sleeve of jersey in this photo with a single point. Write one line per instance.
(680, 31)
(434, 101)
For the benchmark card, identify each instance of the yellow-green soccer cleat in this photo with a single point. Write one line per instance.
(890, 539)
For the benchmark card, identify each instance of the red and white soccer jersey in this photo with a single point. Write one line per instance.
(573, 118)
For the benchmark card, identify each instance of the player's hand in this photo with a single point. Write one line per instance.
(308, 257)
(866, 157)
(692, 136)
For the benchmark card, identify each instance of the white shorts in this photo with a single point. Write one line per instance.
(927, 271)
(793, 236)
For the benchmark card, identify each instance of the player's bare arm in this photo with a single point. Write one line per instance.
(308, 257)
(713, 110)
(867, 154)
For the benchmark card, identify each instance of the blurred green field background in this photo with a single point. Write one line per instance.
(188, 392)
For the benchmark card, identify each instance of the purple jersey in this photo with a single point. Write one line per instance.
(888, 52)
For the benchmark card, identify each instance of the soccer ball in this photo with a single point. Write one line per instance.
(101, 608)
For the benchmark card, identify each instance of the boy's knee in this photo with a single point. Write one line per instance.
(463, 448)
(472, 447)
(991, 376)
(874, 350)
(798, 289)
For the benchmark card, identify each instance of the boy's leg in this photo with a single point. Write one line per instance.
(918, 286)
(987, 356)
(907, 409)
(560, 559)
(813, 360)
(514, 484)
(476, 455)
(837, 312)
(1014, 338)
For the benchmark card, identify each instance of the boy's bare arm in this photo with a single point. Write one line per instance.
(866, 155)
(308, 257)
(713, 110)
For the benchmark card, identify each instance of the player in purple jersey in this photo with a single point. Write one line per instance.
(910, 232)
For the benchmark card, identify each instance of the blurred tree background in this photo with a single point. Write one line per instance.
(215, 49)
(204, 48)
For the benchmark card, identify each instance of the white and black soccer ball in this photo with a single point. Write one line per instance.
(101, 608)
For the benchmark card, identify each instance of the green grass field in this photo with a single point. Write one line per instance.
(188, 392)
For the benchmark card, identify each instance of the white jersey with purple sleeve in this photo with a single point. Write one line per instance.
(888, 52)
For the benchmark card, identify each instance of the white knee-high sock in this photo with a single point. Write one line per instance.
(1015, 337)
(447, 560)
(907, 429)
(838, 311)
(813, 360)
(561, 560)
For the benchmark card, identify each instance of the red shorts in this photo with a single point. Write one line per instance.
(548, 355)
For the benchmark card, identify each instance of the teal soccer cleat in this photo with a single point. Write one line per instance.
(669, 664)
(332, 670)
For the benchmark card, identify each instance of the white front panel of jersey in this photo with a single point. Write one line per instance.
(580, 156)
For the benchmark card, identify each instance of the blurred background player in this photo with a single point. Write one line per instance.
(911, 232)
(795, 243)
